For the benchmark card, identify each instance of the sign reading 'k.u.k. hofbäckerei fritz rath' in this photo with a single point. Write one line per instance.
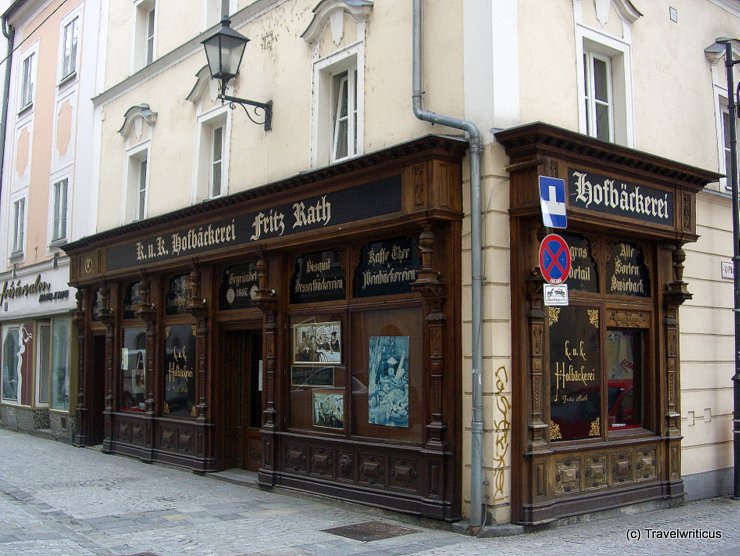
(611, 196)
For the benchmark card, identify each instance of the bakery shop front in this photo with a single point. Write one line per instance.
(307, 330)
(597, 377)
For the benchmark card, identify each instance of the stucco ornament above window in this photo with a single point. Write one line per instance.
(332, 12)
(203, 84)
(134, 117)
(625, 8)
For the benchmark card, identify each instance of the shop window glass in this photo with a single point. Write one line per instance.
(179, 370)
(624, 364)
(60, 364)
(627, 271)
(133, 369)
(177, 295)
(584, 274)
(43, 361)
(11, 374)
(131, 300)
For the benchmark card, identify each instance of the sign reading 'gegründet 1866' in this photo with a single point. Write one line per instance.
(357, 203)
(602, 194)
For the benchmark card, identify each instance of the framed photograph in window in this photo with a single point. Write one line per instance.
(328, 409)
(317, 343)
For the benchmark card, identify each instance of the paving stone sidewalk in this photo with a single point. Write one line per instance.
(58, 499)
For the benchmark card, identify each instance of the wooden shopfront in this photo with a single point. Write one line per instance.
(596, 423)
(307, 330)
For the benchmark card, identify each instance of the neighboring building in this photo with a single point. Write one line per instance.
(300, 301)
(46, 202)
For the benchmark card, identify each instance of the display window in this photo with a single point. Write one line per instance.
(179, 370)
(11, 369)
(133, 369)
(61, 330)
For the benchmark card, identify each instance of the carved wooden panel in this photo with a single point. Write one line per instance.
(621, 467)
(645, 464)
(596, 472)
(186, 441)
(346, 467)
(137, 433)
(567, 476)
(123, 430)
(540, 479)
(404, 474)
(624, 318)
(167, 437)
(322, 462)
(254, 452)
(296, 458)
(372, 469)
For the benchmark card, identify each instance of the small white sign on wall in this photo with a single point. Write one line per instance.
(556, 295)
(727, 270)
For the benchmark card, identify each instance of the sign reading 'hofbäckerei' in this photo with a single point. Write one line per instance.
(356, 203)
(602, 194)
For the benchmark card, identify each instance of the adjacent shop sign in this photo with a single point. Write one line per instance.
(611, 196)
(554, 259)
(13, 289)
(318, 276)
(552, 202)
(338, 207)
(387, 267)
(626, 271)
(238, 284)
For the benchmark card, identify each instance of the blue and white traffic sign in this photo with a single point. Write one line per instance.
(552, 202)
(554, 259)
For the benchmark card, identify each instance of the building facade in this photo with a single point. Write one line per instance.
(309, 301)
(46, 202)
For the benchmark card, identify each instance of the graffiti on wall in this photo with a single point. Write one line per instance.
(502, 429)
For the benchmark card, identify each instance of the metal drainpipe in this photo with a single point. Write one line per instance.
(9, 33)
(476, 478)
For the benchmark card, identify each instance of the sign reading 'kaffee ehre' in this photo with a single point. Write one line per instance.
(619, 198)
(356, 203)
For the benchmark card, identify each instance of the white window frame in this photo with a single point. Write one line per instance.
(213, 11)
(344, 84)
(39, 370)
(203, 159)
(27, 86)
(144, 34)
(18, 227)
(133, 211)
(59, 214)
(593, 103)
(324, 104)
(69, 48)
(619, 54)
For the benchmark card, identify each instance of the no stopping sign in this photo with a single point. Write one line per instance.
(554, 259)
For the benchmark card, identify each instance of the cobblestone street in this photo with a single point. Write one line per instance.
(58, 499)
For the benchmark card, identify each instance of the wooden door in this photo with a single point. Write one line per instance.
(242, 399)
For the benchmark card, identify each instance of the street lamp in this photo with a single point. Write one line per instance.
(224, 52)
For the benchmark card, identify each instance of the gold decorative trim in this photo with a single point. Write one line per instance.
(593, 317)
(166, 408)
(595, 427)
(193, 412)
(555, 431)
(553, 314)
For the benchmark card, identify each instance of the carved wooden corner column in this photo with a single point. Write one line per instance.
(432, 290)
(108, 319)
(198, 307)
(148, 313)
(83, 414)
(676, 292)
(264, 298)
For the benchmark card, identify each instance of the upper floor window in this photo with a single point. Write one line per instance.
(59, 210)
(344, 115)
(216, 10)
(137, 184)
(70, 36)
(145, 33)
(19, 223)
(598, 96)
(28, 80)
(141, 189)
(213, 157)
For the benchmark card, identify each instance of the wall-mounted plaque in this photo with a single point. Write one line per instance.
(387, 267)
(177, 295)
(626, 272)
(575, 377)
(179, 371)
(238, 284)
(583, 275)
(318, 277)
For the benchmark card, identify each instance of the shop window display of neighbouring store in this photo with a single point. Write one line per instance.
(306, 330)
(597, 378)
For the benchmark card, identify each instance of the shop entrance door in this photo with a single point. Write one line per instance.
(242, 397)
(95, 396)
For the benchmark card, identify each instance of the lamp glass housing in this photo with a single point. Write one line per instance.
(224, 51)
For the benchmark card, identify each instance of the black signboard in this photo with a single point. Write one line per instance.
(611, 196)
(238, 284)
(583, 275)
(131, 300)
(338, 207)
(177, 295)
(179, 371)
(387, 267)
(575, 378)
(626, 271)
(318, 277)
